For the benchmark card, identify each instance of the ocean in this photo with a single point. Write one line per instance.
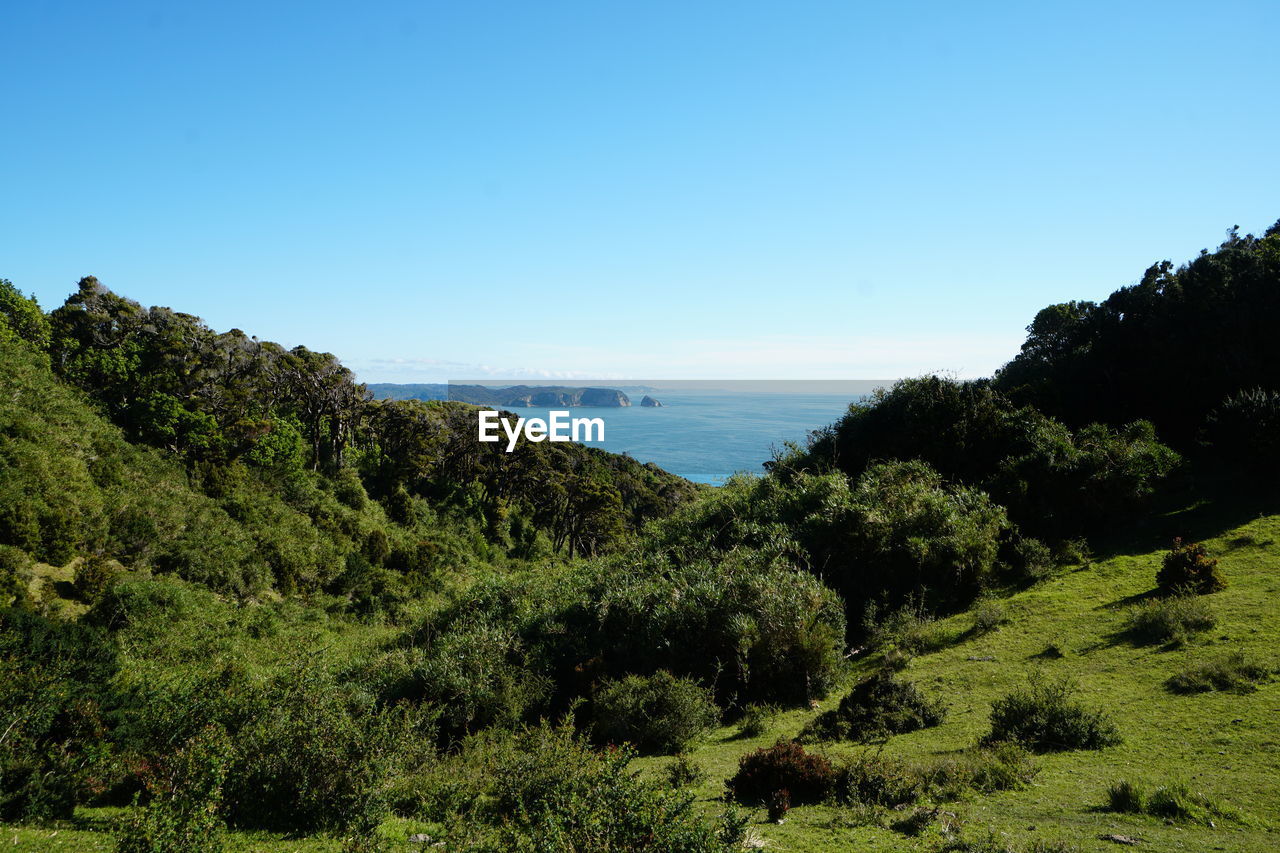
(707, 436)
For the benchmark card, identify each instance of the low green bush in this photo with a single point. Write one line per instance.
(684, 772)
(1189, 568)
(877, 707)
(878, 779)
(808, 778)
(988, 614)
(755, 720)
(55, 691)
(1176, 801)
(1046, 717)
(658, 714)
(185, 793)
(1234, 672)
(475, 671)
(908, 629)
(545, 789)
(1031, 559)
(1172, 620)
(94, 576)
(1126, 797)
(320, 758)
(998, 767)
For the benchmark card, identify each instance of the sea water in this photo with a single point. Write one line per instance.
(707, 436)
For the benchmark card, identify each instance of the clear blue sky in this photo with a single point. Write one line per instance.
(659, 189)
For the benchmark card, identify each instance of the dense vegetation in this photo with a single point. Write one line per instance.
(237, 594)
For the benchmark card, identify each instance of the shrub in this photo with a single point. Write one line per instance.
(1170, 620)
(748, 622)
(1231, 672)
(15, 574)
(878, 706)
(661, 713)
(1243, 431)
(1188, 567)
(320, 758)
(186, 796)
(1178, 802)
(1032, 559)
(997, 767)
(779, 805)
(684, 772)
(1045, 717)
(1174, 802)
(1126, 797)
(909, 629)
(988, 614)
(878, 779)
(94, 577)
(545, 789)
(755, 720)
(54, 682)
(785, 765)
(475, 670)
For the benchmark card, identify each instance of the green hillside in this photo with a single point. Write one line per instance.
(1223, 743)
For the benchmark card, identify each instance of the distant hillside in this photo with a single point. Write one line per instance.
(513, 395)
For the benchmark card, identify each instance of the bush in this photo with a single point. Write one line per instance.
(320, 758)
(186, 797)
(1189, 568)
(755, 720)
(1126, 797)
(908, 629)
(1178, 802)
(474, 670)
(684, 772)
(884, 534)
(1244, 431)
(1045, 717)
(15, 574)
(878, 779)
(997, 767)
(784, 766)
(1231, 672)
(54, 683)
(660, 713)
(877, 707)
(1031, 559)
(748, 622)
(1170, 620)
(94, 576)
(1173, 802)
(545, 789)
(988, 614)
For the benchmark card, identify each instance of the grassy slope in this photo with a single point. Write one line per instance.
(1223, 744)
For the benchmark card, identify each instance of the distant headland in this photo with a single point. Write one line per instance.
(535, 396)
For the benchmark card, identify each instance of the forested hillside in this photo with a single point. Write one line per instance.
(244, 605)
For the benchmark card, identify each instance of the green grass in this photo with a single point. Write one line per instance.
(1224, 744)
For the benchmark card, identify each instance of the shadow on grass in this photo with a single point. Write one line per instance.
(1200, 504)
